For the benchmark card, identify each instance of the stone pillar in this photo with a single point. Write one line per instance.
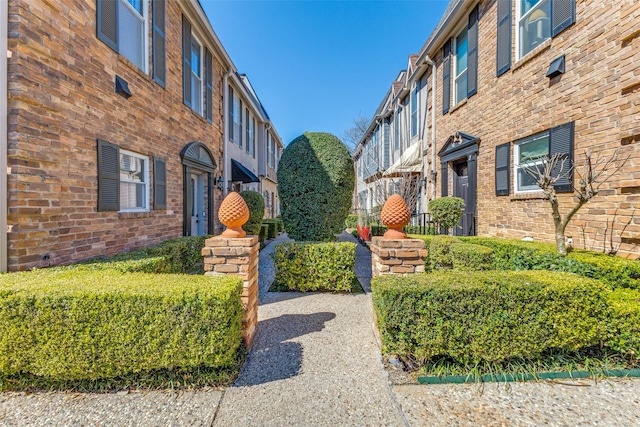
(397, 256)
(237, 257)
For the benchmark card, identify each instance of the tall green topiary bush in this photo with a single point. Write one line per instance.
(315, 183)
(446, 211)
(255, 202)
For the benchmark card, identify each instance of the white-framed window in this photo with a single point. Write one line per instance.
(196, 75)
(460, 56)
(132, 27)
(414, 110)
(251, 135)
(236, 115)
(534, 24)
(270, 151)
(134, 181)
(529, 152)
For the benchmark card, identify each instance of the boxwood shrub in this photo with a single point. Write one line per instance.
(351, 221)
(440, 256)
(181, 255)
(470, 257)
(624, 326)
(74, 325)
(613, 270)
(255, 202)
(488, 316)
(306, 266)
(272, 228)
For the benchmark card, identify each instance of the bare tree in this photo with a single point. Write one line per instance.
(594, 172)
(353, 135)
(406, 184)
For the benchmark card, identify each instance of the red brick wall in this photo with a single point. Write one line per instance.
(61, 100)
(599, 91)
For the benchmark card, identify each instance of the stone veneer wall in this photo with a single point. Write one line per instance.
(237, 257)
(397, 256)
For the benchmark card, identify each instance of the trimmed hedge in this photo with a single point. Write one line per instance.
(613, 270)
(74, 325)
(624, 326)
(311, 266)
(470, 257)
(255, 202)
(351, 221)
(272, 228)
(264, 232)
(488, 316)
(440, 256)
(315, 183)
(181, 255)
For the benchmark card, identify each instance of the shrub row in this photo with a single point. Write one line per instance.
(181, 255)
(509, 254)
(71, 325)
(624, 325)
(310, 266)
(492, 316)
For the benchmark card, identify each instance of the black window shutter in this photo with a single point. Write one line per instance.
(561, 142)
(108, 176)
(159, 51)
(159, 184)
(503, 176)
(240, 126)
(247, 129)
(230, 113)
(472, 55)
(186, 61)
(107, 22)
(446, 80)
(208, 75)
(563, 14)
(503, 54)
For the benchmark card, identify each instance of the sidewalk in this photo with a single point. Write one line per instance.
(315, 361)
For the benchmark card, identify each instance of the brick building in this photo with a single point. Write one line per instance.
(114, 127)
(502, 81)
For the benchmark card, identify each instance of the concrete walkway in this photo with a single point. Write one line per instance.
(315, 361)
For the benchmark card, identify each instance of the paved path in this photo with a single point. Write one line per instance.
(315, 362)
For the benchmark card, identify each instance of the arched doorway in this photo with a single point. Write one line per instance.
(198, 167)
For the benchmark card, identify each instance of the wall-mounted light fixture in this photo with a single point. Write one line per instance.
(220, 183)
(434, 174)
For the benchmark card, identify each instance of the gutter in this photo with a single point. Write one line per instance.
(4, 73)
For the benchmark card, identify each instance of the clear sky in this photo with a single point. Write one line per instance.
(316, 65)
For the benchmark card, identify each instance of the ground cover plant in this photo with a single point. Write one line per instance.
(308, 266)
(102, 329)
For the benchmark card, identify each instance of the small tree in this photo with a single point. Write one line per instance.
(446, 211)
(352, 136)
(595, 171)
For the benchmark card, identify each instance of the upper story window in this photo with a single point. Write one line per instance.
(196, 75)
(251, 135)
(460, 63)
(534, 24)
(530, 152)
(271, 162)
(123, 25)
(414, 110)
(134, 181)
(235, 118)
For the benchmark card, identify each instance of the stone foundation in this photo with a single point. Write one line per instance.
(397, 256)
(237, 257)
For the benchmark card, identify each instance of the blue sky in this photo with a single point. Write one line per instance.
(316, 65)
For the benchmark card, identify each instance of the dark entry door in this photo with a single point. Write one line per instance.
(461, 189)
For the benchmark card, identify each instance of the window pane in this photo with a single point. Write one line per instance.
(525, 181)
(461, 52)
(131, 168)
(130, 35)
(461, 87)
(195, 57)
(196, 93)
(534, 150)
(137, 5)
(535, 28)
(526, 5)
(132, 195)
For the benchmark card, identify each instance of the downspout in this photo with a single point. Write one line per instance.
(225, 127)
(4, 55)
(433, 125)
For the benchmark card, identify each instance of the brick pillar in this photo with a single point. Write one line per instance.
(397, 256)
(237, 257)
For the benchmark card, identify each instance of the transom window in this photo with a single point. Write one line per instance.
(530, 152)
(134, 181)
(461, 50)
(534, 24)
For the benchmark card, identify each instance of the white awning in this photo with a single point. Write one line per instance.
(410, 161)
